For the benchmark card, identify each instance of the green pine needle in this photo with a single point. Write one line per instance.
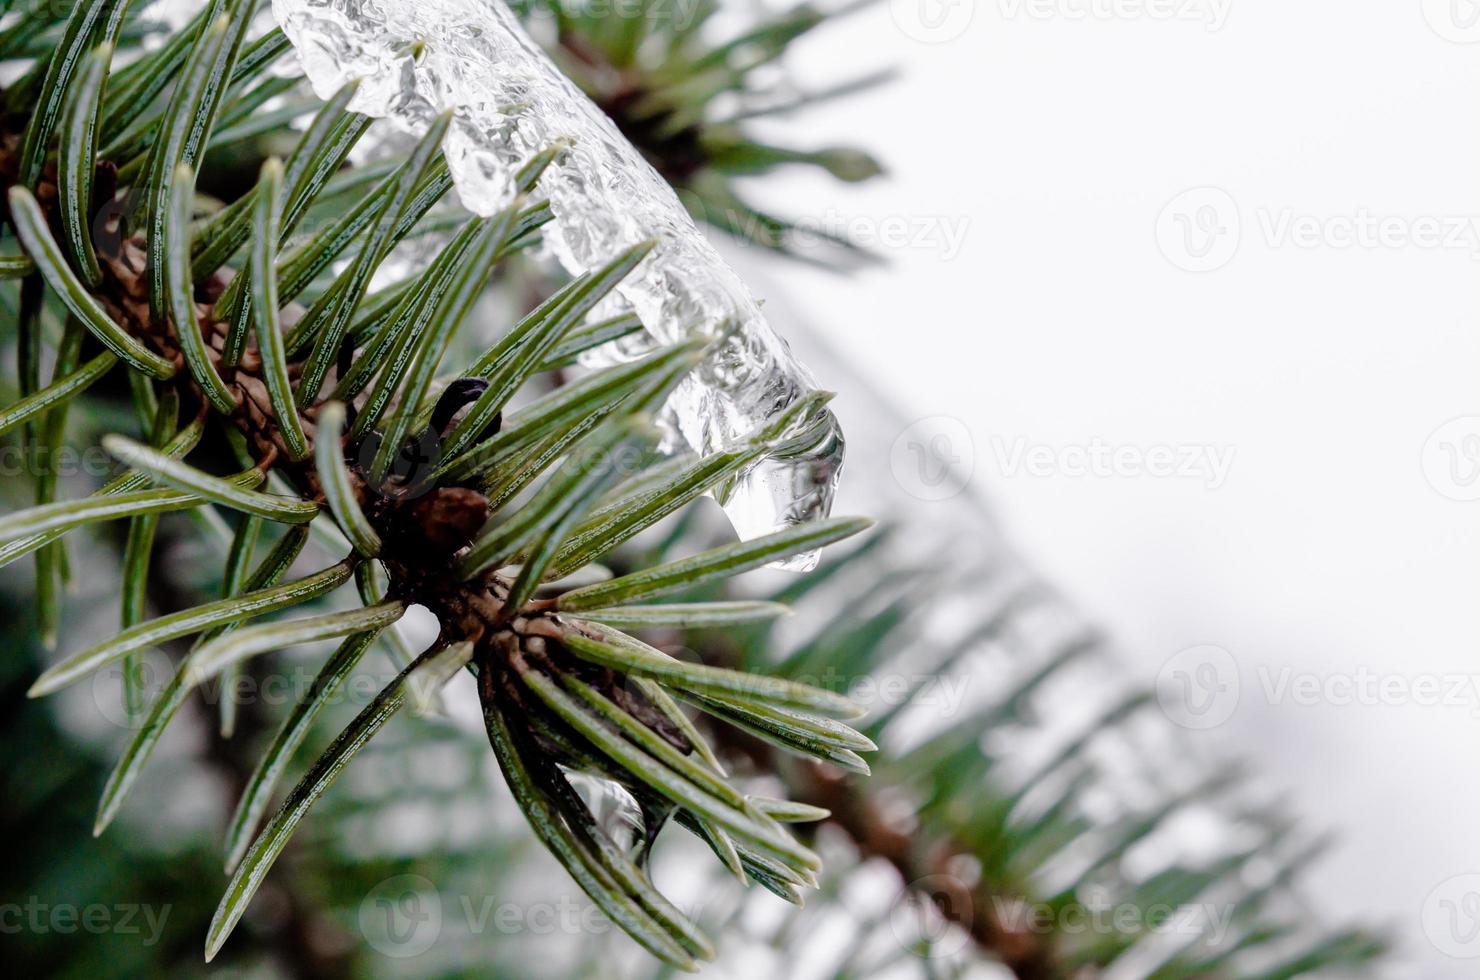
(156, 631)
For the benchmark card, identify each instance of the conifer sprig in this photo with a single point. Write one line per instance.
(341, 405)
(243, 328)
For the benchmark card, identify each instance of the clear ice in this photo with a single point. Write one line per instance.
(511, 102)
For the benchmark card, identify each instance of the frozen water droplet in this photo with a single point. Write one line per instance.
(512, 102)
(616, 812)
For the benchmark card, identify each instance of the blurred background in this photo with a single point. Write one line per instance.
(1243, 235)
(1154, 351)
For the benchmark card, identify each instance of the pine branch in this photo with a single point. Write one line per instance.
(403, 470)
(683, 98)
(341, 415)
(980, 845)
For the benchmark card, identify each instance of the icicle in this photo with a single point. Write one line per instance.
(512, 102)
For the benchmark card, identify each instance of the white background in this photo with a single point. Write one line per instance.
(1322, 354)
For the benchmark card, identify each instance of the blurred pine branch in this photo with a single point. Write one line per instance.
(685, 91)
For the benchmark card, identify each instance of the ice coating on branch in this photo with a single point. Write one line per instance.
(512, 102)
